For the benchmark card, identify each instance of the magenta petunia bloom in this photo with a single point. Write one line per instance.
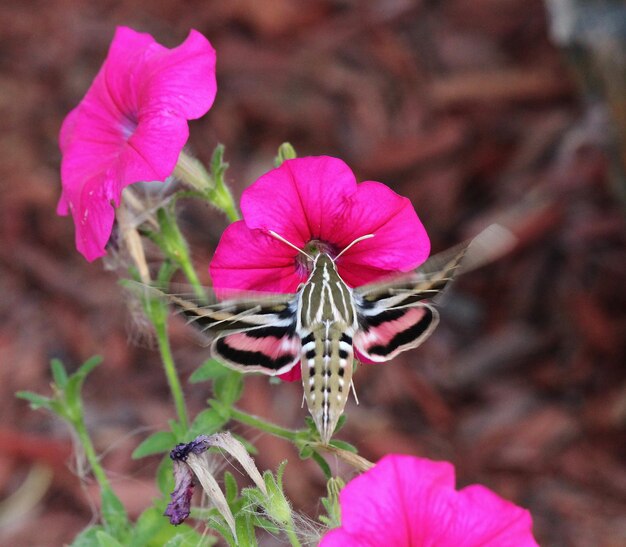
(409, 501)
(316, 204)
(131, 126)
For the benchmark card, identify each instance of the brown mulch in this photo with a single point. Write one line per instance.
(466, 107)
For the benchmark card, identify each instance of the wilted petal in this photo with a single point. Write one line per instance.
(238, 451)
(179, 508)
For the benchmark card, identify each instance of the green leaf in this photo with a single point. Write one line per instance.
(245, 530)
(209, 370)
(166, 271)
(178, 430)
(76, 380)
(322, 463)
(230, 487)
(340, 422)
(113, 513)
(222, 409)
(86, 368)
(165, 476)
(206, 422)
(158, 443)
(154, 530)
(218, 165)
(36, 401)
(87, 538)
(187, 539)
(306, 452)
(266, 524)
(228, 388)
(285, 152)
(58, 373)
(310, 424)
(107, 540)
(344, 446)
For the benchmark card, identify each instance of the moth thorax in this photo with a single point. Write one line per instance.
(327, 373)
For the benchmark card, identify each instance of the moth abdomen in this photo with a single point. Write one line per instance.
(327, 373)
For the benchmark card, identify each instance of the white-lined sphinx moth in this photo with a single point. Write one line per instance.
(325, 321)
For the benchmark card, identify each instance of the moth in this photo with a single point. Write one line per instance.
(325, 321)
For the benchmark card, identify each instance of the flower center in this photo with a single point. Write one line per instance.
(304, 265)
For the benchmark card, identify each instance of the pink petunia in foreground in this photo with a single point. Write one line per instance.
(409, 501)
(316, 204)
(131, 126)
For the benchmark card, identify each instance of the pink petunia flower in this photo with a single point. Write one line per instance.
(316, 204)
(131, 126)
(408, 501)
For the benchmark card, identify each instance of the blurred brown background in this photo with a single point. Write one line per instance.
(467, 107)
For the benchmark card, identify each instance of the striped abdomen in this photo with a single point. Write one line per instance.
(326, 323)
(327, 373)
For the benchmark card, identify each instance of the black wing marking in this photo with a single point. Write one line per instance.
(383, 335)
(273, 349)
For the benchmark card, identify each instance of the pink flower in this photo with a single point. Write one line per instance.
(408, 501)
(316, 204)
(131, 126)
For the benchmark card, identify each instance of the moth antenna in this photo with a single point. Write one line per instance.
(354, 391)
(281, 238)
(367, 236)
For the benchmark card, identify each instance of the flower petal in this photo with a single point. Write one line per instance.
(131, 124)
(490, 521)
(400, 242)
(405, 500)
(182, 79)
(381, 519)
(94, 221)
(301, 200)
(250, 260)
(293, 375)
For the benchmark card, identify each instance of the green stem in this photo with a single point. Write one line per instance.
(192, 173)
(90, 454)
(160, 327)
(222, 198)
(259, 423)
(293, 538)
(192, 277)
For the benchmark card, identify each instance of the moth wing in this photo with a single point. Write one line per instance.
(393, 316)
(271, 349)
(248, 310)
(251, 334)
(432, 277)
(385, 332)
